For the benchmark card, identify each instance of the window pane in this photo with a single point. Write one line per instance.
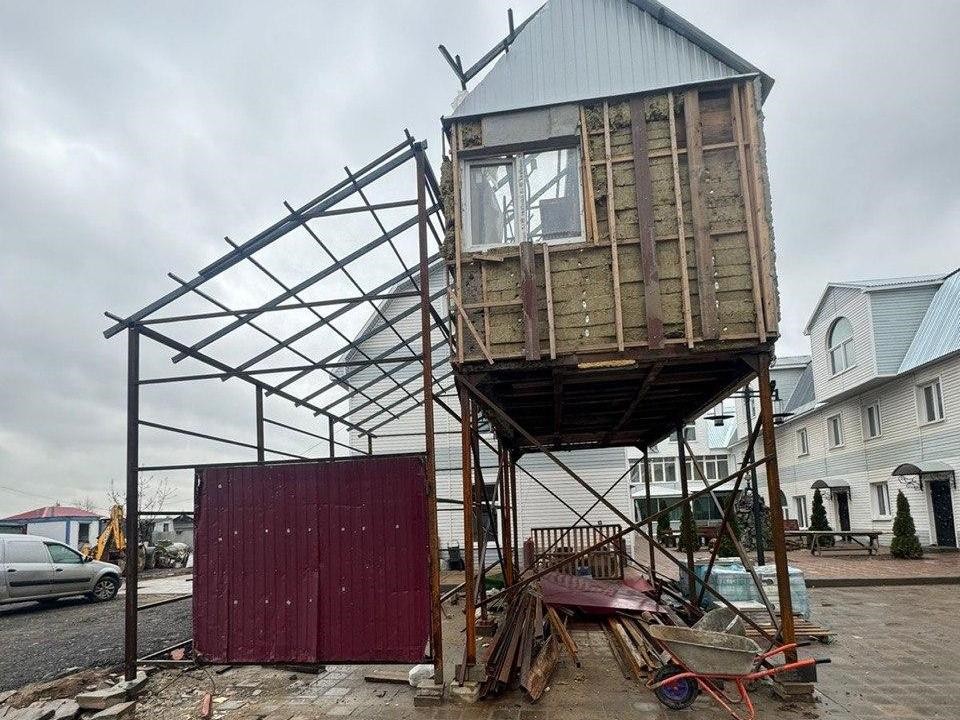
(493, 218)
(939, 396)
(553, 194)
(928, 403)
(62, 555)
(842, 330)
(26, 551)
(670, 473)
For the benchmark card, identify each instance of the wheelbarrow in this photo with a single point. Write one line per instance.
(704, 660)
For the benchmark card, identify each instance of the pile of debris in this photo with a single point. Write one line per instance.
(534, 628)
(87, 695)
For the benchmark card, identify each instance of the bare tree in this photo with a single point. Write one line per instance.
(153, 492)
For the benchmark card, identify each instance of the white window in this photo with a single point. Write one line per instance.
(690, 432)
(840, 346)
(526, 196)
(800, 502)
(871, 421)
(714, 467)
(663, 469)
(835, 430)
(803, 448)
(166, 527)
(930, 402)
(880, 498)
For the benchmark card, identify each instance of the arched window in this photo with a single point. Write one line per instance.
(840, 345)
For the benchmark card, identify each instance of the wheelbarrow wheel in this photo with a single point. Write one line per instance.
(677, 695)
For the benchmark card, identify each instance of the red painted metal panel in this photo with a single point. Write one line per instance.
(324, 561)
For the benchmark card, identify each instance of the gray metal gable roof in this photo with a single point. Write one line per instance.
(574, 50)
(939, 331)
(803, 393)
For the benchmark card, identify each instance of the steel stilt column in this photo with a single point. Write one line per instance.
(466, 441)
(646, 486)
(261, 452)
(776, 515)
(133, 501)
(686, 513)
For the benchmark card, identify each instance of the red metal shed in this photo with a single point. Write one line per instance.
(325, 561)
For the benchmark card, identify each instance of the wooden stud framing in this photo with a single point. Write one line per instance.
(486, 300)
(528, 294)
(462, 318)
(737, 119)
(457, 233)
(548, 286)
(648, 243)
(681, 230)
(589, 200)
(612, 229)
(760, 215)
(701, 228)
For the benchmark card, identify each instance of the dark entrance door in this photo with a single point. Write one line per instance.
(943, 513)
(843, 510)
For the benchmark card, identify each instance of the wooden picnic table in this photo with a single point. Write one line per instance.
(872, 538)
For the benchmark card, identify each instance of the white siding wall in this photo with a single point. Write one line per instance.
(55, 530)
(861, 462)
(855, 306)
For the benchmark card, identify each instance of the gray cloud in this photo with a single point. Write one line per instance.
(133, 138)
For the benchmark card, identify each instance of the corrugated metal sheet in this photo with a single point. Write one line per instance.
(803, 393)
(581, 49)
(312, 562)
(939, 331)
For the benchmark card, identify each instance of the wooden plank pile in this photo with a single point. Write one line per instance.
(804, 630)
(636, 653)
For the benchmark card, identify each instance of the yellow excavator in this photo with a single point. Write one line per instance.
(112, 543)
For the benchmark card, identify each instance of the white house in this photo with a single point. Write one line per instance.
(70, 525)
(877, 407)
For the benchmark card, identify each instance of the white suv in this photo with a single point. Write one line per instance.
(37, 568)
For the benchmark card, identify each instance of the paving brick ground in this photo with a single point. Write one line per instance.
(897, 656)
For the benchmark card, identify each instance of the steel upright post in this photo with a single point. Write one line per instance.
(503, 492)
(515, 534)
(133, 502)
(436, 618)
(776, 516)
(646, 486)
(686, 513)
(466, 452)
(261, 453)
(332, 445)
(754, 487)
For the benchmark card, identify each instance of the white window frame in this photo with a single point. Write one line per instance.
(661, 464)
(519, 198)
(800, 505)
(803, 442)
(938, 402)
(876, 502)
(847, 348)
(839, 438)
(692, 435)
(865, 420)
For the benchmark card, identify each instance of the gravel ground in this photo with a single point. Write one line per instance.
(39, 642)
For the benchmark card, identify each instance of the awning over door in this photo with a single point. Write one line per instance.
(930, 470)
(834, 485)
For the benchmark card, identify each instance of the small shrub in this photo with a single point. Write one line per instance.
(818, 519)
(688, 532)
(725, 544)
(905, 544)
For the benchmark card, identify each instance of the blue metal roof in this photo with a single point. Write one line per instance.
(939, 331)
(573, 50)
(803, 393)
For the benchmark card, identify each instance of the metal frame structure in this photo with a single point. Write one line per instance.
(322, 402)
(510, 442)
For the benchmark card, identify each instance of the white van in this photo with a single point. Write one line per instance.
(37, 568)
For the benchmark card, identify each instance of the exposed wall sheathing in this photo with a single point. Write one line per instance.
(587, 313)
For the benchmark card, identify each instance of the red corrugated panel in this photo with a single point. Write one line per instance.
(312, 562)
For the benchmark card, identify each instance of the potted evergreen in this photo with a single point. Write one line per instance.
(664, 531)
(818, 519)
(905, 544)
(725, 544)
(689, 538)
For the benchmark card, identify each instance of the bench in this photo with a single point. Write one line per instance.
(870, 539)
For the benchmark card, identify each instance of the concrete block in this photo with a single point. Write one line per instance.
(101, 699)
(800, 692)
(428, 694)
(116, 712)
(467, 693)
(133, 687)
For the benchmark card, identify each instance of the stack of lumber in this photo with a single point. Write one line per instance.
(636, 653)
(526, 649)
(804, 630)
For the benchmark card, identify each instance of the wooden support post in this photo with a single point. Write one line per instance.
(133, 500)
(528, 294)
(776, 515)
(369, 444)
(650, 531)
(517, 542)
(706, 280)
(589, 199)
(686, 512)
(503, 494)
(260, 441)
(436, 617)
(332, 448)
(612, 230)
(681, 229)
(548, 288)
(648, 237)
(457, 233)
(466, 429)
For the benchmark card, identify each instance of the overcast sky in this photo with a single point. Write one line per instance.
(133, 137)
